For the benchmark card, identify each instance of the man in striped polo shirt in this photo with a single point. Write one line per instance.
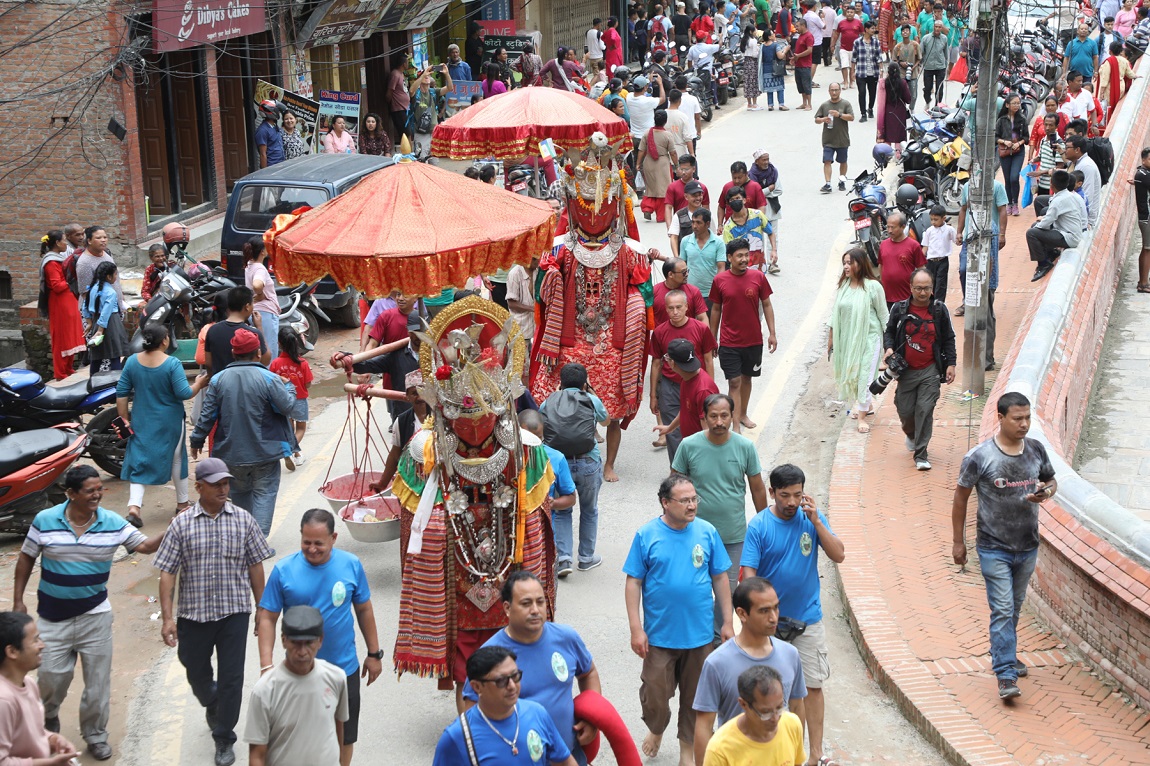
(76, 541)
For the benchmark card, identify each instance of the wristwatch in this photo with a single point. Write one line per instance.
(375, 655)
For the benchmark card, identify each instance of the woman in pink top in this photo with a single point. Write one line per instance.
(338, 140)
(263, 287)
(1125, 19)
(492, 85)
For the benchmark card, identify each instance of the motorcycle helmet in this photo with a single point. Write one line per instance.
(907, 196)
(176, 235)
(882, 154)
(622, 72)
(270, 108)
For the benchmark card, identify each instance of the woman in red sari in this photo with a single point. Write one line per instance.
(613, 56)
(59, 304)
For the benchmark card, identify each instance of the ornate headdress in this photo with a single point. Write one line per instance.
(593, 175)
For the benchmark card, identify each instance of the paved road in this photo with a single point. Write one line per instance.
(403, 719)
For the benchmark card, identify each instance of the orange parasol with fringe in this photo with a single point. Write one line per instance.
(512, 124)
(412, 227)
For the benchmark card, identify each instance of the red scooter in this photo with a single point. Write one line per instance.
(32, 466)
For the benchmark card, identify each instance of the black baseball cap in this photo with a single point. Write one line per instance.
(692, 187)
(303, 623)
(682, 353)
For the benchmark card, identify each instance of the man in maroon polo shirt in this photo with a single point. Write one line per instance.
(665, 382)
(675, 278)
(898, 257)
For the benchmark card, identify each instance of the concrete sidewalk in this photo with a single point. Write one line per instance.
(923, 624)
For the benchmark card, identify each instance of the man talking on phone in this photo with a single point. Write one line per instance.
(782, 545)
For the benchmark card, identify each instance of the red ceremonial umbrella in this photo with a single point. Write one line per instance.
(412, 227)
(512, 124)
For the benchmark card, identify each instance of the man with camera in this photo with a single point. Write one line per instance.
(920, 352)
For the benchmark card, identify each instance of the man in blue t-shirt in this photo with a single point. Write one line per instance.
(782, 545)
(1081, 54)
(269, 140)
(551, 657)
(503, 730)
(334, 582)
(675, 564)
(563, 488)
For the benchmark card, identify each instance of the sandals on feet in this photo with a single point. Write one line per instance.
(1144, 288)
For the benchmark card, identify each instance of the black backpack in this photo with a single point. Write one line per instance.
(569, 422)
(1102, 152)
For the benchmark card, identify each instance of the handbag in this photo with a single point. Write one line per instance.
(779, 67)
(1004, 151)
(789, 628)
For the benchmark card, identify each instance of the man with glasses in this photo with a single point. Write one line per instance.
(675, 273)
(764, 733)
(675, 563)
(919, 330)
(552, 657)
(501, 729)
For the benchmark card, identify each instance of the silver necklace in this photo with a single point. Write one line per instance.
(512, 743)
(83, 526)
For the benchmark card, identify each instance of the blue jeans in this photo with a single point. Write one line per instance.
(1006, 574)
(271, 332)
(254, 488)
(587, 473)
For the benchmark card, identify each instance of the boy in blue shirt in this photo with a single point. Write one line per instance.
(675, 563)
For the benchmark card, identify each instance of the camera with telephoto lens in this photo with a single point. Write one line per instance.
(895, 366)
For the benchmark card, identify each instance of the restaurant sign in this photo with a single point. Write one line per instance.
(179, 24)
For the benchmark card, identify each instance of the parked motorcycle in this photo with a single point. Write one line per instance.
(299, 310)
(699, 85)
(28, 404)
(32, 464)
(937, 159)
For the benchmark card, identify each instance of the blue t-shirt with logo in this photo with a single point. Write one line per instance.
(538, 741)
(787, 554)
(676, 567)
(550, 667)
(331, 588)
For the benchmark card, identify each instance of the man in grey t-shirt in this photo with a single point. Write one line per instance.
(833, 115)
(1012, 475)
(717, 695)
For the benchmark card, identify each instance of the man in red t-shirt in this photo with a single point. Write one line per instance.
(665, 381)
(676, 197)
(754, 194)
(804, 57)
(848, 29)
(898, 257)
(675, 278)
(697, 385)
(741, 290)
(391, 325)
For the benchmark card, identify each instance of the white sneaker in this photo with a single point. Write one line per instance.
(298, 458)
(922, 465)
(909, 444)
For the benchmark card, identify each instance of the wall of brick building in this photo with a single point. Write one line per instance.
(53, 173)
(1091, 593)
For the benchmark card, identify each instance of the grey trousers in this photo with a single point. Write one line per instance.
(917, 393)
(88, 637)
(735, 554)
(667, 395)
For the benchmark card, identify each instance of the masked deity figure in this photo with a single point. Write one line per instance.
(596, 288)
(474, 492)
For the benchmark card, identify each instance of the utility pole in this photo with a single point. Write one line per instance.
(985, 20)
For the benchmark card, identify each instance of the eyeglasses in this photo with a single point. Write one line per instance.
(693, 500)
(502, 681)
(682, 273)
(768, 716)
(921, 289)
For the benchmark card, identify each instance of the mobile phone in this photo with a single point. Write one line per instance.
(121, 427)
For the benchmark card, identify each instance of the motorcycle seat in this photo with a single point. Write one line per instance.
(62, 397)
(285, 303)
(102, 380)
(20, 450)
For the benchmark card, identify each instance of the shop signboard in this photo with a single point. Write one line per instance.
(498, 27)
(306, 111)
(411, 14)
(179, 24)
(341, 21)
(338, 103)
(514, 44)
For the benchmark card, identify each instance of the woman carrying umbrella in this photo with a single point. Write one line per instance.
(656, 158)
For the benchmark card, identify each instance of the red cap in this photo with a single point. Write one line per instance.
(245, 342)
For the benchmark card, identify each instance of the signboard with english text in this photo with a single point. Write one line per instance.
(180, 24)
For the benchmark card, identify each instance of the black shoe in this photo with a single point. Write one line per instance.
(212, 715)
(842, 185)
(101, 751)
(225, 756)
(989, 366)
(1042, 270)
(52, 724)
(1023, 671)
(1008, 689)
(863, 118)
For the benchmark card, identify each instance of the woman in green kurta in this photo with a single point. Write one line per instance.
(156, 453)
(857, 321)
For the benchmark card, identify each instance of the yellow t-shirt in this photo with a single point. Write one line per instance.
(730, 747)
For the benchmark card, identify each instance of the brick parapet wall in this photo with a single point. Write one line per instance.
(1092, 588)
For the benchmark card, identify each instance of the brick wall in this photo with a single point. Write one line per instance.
(53, 173)
(1093, 596)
